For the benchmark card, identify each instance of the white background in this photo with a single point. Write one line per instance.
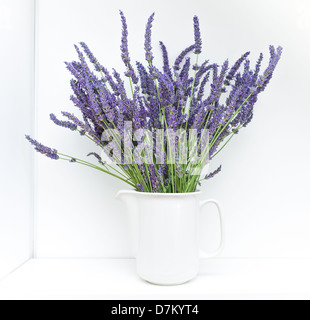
(17, 113)
(264, 186)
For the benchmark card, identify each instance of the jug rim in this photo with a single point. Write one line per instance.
(145, 194)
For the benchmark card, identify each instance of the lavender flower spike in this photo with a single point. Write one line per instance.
(167, 69)
(264, 80)
(98, 67)
(96, 155)
(124, 45)
(198, 41)
(148, 39)
(181, 57)
(64, 124)
(213, 174)
(91, 57)
(235, 68)
(50, 153)
(130, 73)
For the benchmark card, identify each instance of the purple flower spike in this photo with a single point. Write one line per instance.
(264, 80)
(198, 41)
(148, 39)
(140, 187)
(235, 68)
(97, 65)
(96, 155)
(124, 45)
(125, 51)
(64, 124)
(185, 71)
(91, 57)
(213, 174)
(50, 153)
(258, 67)
(166, 68)
(181, 57)
(134, 77)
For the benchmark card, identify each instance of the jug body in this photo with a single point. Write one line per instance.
(167, 250)
(167, 245)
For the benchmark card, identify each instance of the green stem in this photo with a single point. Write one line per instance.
(220, 131)
(88, 164)
(217, 135)
(130, 81)
(232, 135)
(171, 167)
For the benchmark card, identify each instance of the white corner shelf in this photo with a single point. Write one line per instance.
(110, 279)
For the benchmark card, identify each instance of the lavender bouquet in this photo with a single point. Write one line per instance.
(160, 137)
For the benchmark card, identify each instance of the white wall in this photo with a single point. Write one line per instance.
(264, 186)
(16, 105)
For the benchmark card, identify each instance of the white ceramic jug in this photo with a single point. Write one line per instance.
(167, 249)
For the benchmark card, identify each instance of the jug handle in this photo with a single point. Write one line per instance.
(202, 253)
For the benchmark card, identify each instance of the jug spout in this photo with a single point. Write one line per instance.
(127, 197)
(131, 201)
